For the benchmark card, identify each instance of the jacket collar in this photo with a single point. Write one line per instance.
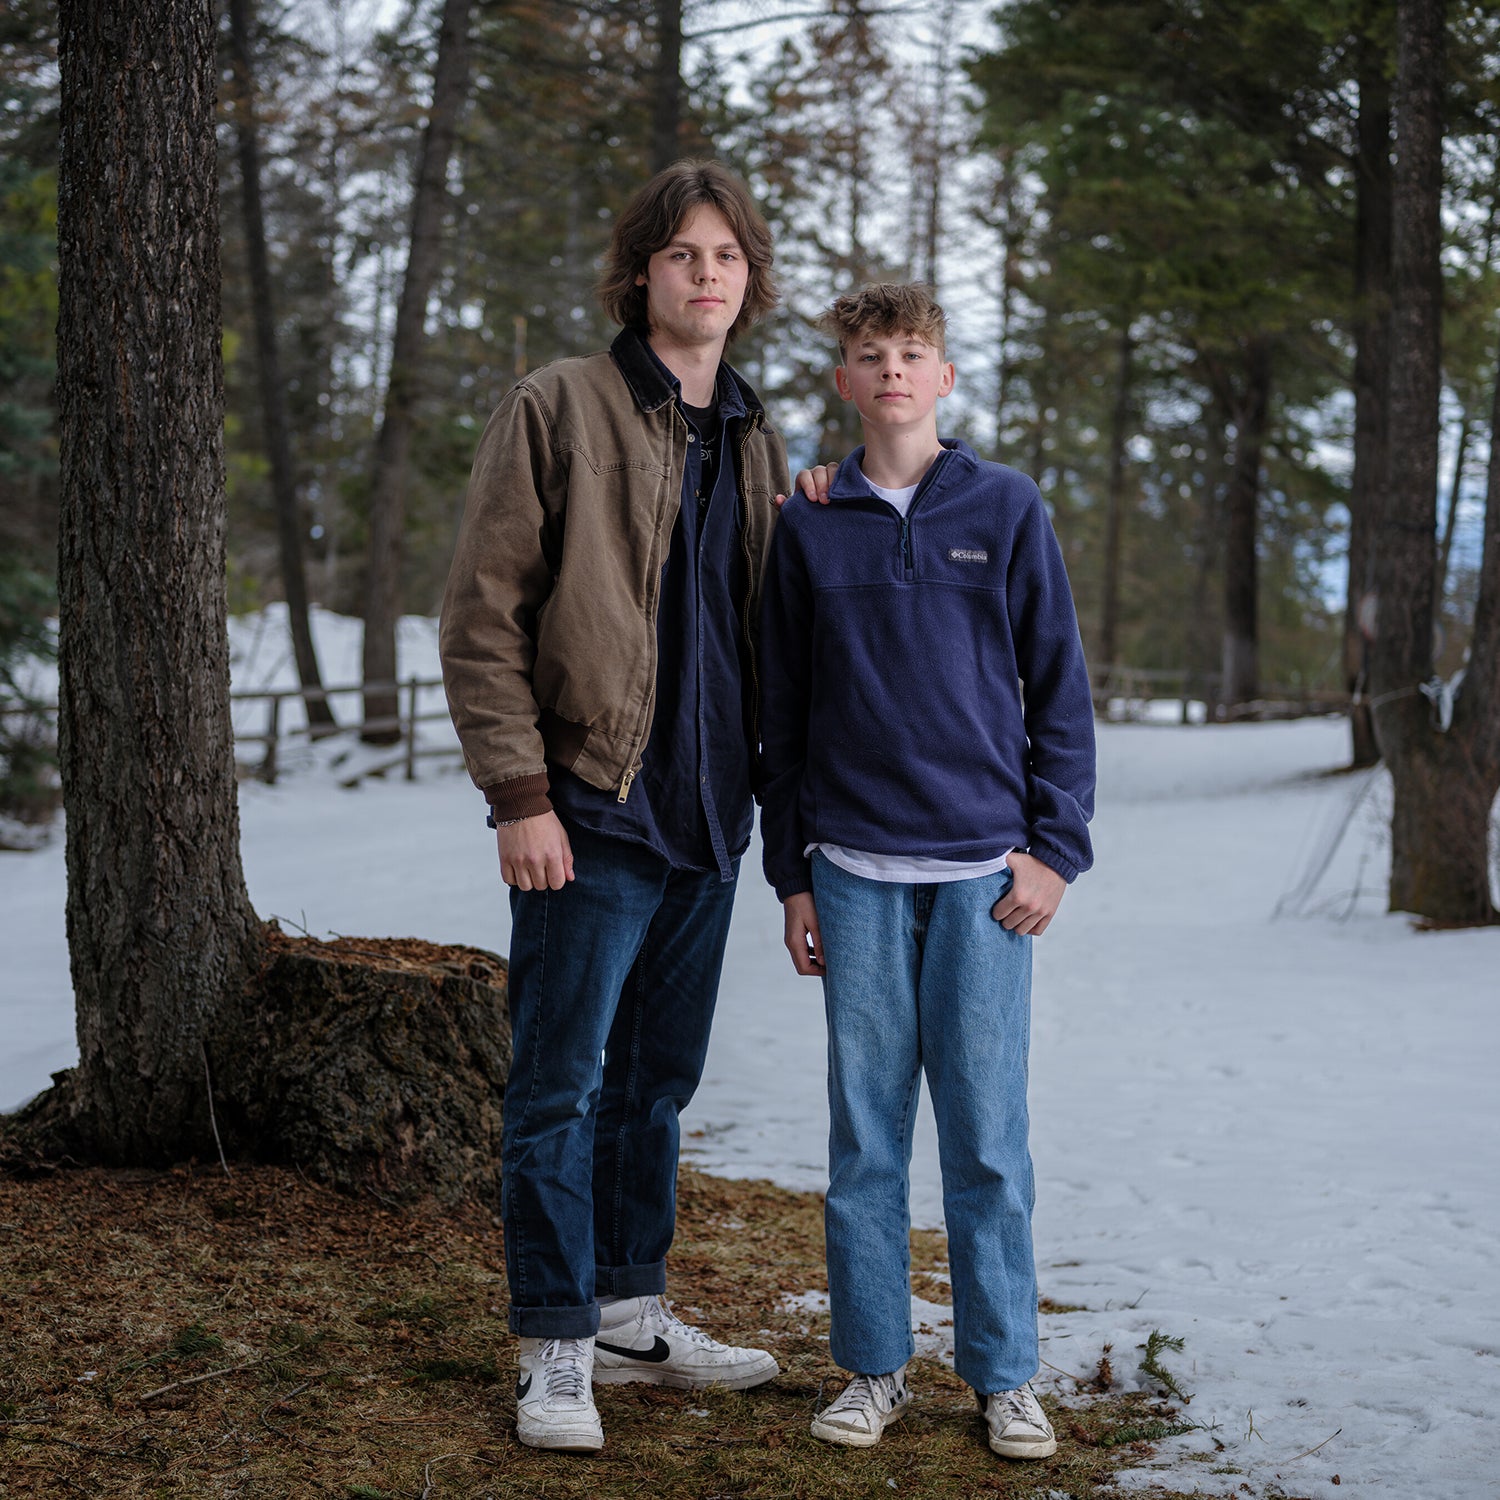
(850, 482)
(653, 385)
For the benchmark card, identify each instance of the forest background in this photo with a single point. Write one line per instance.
(1162, 231)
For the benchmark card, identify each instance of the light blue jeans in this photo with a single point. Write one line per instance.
(922, 977)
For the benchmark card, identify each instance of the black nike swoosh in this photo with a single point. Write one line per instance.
(660, 1350)
(523, 1388)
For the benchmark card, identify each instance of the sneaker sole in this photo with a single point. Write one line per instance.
(562, 1442)
(744, 1379)
(1044, 1449)
(848, 1437)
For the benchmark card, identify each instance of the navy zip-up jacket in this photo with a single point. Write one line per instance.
(924, 689)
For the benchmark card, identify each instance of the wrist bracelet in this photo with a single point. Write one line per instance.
(495, 822)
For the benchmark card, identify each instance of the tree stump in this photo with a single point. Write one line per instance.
(375, 1064)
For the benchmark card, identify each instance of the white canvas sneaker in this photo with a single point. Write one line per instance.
(866, 1407)
(1018, 1426)
(554, 1402)
(641, 1339)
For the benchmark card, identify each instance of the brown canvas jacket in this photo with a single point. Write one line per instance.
(548, 632)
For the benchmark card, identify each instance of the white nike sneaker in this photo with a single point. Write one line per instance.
(1018, 1426)
(554, 1402)
(640, 1338)
(866, 1407)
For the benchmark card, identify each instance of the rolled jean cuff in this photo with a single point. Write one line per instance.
(630, 1281)
(555, 1322)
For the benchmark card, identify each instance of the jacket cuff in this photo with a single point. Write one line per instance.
(794, 885)
(520, 797)
(1055, 861)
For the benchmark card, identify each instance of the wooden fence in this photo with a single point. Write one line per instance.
(1128, 693)
(1120, 694)
(405, 724)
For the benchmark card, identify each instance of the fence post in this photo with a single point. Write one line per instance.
(273, 733)
(411, 729)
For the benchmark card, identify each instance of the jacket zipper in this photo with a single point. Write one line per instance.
(906, 542)
(632, 766)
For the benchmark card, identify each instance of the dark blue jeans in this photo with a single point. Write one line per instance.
(612, 988)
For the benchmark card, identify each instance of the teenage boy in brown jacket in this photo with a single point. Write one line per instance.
(600, 668)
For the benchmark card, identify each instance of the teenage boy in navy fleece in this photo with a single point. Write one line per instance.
(929, 761)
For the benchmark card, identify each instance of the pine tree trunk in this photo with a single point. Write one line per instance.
(450, 84)
(1444, 775)
(1241, 570)
(1206, 546)
(371, 1062)
(666, 85)
(1443, 796)
(160, 930)
(1114, 514)
(276, 427)
(1371, 380)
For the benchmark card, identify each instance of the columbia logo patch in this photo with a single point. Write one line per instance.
(968, 554)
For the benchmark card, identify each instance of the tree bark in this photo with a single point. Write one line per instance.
(1207, 544)
(1444, 774)
(450, 85)
(370, 1063)
(666, 85)
(1114, 513)
(1372, 274)
(1241, 667)
(160, 930)
(275, 426)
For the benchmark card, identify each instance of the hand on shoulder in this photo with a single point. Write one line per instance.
(814, 483)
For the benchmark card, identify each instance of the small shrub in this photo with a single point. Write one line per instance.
(1151, 1365)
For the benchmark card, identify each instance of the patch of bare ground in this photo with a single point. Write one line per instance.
(186, 1335)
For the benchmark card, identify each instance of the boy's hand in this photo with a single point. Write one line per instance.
(803, 940)
(535, 854)
(1033, 898)
(814, 483)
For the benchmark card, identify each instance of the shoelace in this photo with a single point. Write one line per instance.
(864, 1394)
(564, 1372)
(1021, 1404)
(672, 1324)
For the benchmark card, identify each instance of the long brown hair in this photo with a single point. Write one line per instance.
(657, 212)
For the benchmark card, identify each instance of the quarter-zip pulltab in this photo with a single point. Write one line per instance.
(625, 783)
(906, 543)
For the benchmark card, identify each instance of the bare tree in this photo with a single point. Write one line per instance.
(1114, 499)
(450, 86)
(1250, 403)
(666, 84)
(275, 426)
(1372, 274)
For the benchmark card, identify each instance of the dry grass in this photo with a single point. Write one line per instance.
(356, 1350)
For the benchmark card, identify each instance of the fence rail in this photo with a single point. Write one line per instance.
(1119, 693)
(1125, 693)
(404, 724)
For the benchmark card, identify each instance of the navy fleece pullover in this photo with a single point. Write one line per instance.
(923, 689)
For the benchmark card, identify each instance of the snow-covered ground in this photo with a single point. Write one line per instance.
(1275, 1136)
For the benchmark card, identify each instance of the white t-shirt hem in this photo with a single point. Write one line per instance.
(908, 869)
